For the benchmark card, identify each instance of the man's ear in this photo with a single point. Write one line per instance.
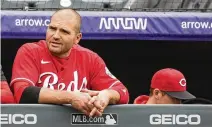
(78, 38)
(157, 93)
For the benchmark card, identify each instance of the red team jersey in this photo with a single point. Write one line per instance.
(142, 99)
(6, 94)
(81, 69)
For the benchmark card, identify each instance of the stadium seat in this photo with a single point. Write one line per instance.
(6, 4)
(107, 4)
(209, 5)
(53, 4)
(45, 4)
(195, 4)
(21, 4)
(82, 4)
(115, 4)
(169, 4)
(153, 4)
(136, 4)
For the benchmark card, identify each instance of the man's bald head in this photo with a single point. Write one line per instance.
(69, 14)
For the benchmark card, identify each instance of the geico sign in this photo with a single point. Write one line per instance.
(18, 119)
(170, 119)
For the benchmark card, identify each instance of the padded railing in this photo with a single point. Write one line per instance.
(119, 115)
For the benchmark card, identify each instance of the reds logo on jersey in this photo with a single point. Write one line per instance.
(51, 81)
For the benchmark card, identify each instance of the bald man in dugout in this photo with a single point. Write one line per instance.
(61, 57)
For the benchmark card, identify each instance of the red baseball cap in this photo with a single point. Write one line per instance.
(172, 82)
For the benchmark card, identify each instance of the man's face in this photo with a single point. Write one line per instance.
(163, 98)
(61, 35)
(166, 99)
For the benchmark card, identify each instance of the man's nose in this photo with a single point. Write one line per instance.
(56, 35)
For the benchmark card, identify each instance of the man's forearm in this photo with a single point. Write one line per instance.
(48, 96)
(24, 93)
(113, 95)
(122, 91)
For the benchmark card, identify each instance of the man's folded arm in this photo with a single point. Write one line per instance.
(26, 93)
(119, 94)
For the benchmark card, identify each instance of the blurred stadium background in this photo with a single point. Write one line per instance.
(103, 5)
(133, 61)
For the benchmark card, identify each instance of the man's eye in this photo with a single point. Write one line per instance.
(64, 31)
(52, 28)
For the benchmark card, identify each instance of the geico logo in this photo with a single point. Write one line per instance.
(170, 119)
(18, 119)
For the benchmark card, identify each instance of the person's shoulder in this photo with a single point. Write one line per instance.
(84, 51)
(3, 78)
(33, 46)
(142, 99)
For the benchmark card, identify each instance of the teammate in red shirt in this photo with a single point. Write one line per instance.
(168, 86)
(59, 71)
(6, 94)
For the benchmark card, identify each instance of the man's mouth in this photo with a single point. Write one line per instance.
(55, 44)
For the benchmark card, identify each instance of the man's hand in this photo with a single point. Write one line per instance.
(100, 102)
(80, 101)
(94, 95)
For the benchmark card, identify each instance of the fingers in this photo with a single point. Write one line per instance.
(85, 107)
(90, 111)
(98, 104)
(98, 113)
(90, 92)
(102, 104)
(90, 103)
(85, 112)
(92, 100)
(94, 93)
(82, 107)
(95, 112)
(87, 95)
(80, 102)
(84, 90)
